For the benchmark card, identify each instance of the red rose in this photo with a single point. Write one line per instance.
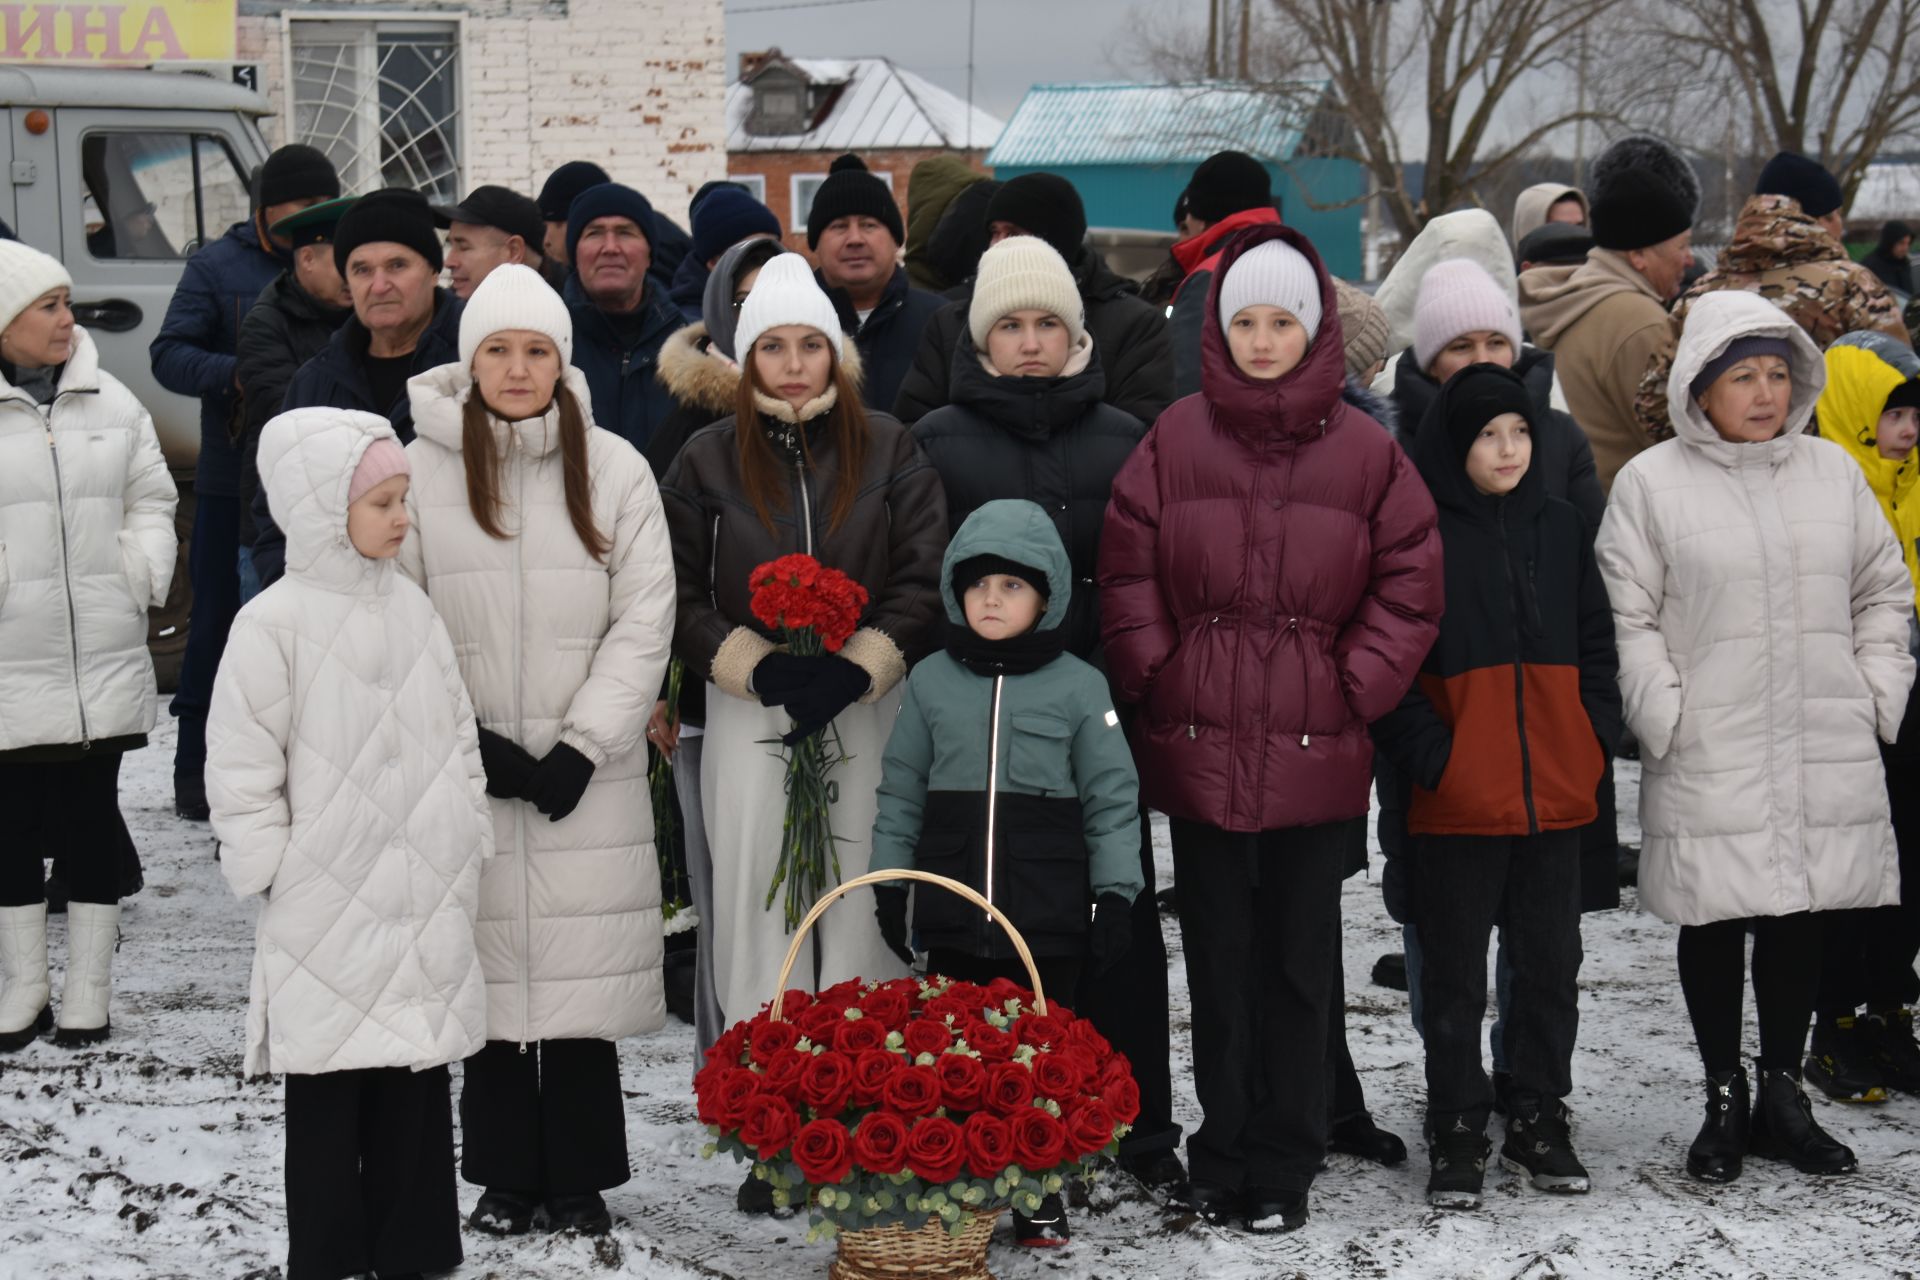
(824, 1152)
(820, 1022)
(736, 1089)
(769, 1125)
(1059, 1076)
(782, 1074)
(841, 993)
(887, 1007)
(1060, 1013)
(989, 1041)
(769, 1038)
(912, 1091)
(728, 1048)
(963, 1081)
(909, 988)
(706, 1091)
(1041, 1029)
(936, 1149)
(1084, 1035)
(1009, 1088)
(940, 1008)
(1123, 1097)
(856, 1035)
(880, 1143)
(1039, 1141)
(926, 1036)
(970, 995)
(1089, 1128)
(794, 1003)
(1117, 1068)
(827, 1082)
(1001, 990)
(871, 1070)
(989, 1142)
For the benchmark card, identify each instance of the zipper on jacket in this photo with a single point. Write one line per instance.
(993, 783)
(713, 563)
(520, 810)
(66, 581)
(806, 508)
(1306, 686)
(1193, 683)
(1519, 680)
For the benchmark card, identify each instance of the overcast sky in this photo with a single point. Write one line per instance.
(1017, 43)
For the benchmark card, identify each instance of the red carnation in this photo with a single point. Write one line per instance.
(1059, 1076)
(989, 1142)
(989, 1041)
(912, 1091)
(886, 1006)
(1123, 1096)
(871, 1071)
(963, 1081)
(824, 1152)
(769, 1125)
(827, 1082)
(1009, 1088)
(880, 1143)
(1039, 1140)
(1089, 1128)
(1041, 1029)
(856, 1035)
(769, 1038)
(936, 1149)
(735, 1090)
(926, 1036)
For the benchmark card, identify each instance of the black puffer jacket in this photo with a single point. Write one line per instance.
(1052, 441)
(1129, 334)
(888, 337)
(286, 328)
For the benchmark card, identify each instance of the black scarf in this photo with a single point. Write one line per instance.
(1015, 656)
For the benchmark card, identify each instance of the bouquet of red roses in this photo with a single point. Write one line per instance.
(910, 1100)
(815, 609)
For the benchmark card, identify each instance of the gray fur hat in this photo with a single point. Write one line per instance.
(1642, 191)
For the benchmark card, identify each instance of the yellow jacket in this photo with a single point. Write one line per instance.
(1862, 368)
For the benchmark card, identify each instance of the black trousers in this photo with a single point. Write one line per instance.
(545, 1121)
(1058, 974)
(1260, 918)
(1868, 954)
(1345, 1096)
(370, 1174)
(72, 810)
(1129, 1003)
(1530, 887)
(1786, 976)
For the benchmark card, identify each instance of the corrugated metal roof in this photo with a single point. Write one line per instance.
(882, 107)
(1072, 124)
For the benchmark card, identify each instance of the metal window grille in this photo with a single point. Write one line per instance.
(382, 99)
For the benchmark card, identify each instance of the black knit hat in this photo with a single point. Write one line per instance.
(566, 182)
(497, 207)
(974, 568)
(1802, 180)
(297, 172)
(1904, 396)
(609, 200)
(1226, 183)
(1476, 396)
(851, 192)
(396, 214)
(1642, 192)
(1044, 205)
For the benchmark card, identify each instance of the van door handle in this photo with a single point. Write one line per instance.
(113, 315)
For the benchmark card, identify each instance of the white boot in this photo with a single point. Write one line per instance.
(93, 928)
(24, 1014)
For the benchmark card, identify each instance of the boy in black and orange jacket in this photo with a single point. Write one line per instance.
(1504, 734)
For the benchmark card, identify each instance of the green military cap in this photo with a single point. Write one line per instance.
(314, 224)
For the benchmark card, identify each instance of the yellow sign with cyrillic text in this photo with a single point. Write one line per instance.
(130, 33)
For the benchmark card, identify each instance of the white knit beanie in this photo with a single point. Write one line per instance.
(25, 274)
(1458, 296)
(515, 297)
(785, 292)
(1272, 274)
(1023, 273)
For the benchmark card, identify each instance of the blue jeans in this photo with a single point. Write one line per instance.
(213, 559)
(249, 578)
(1502, 992)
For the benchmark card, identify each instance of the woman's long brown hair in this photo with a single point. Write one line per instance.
(763, 472)
(483, 461)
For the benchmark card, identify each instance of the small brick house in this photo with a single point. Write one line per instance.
(787, 118)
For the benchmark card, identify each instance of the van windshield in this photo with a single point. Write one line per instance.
(158, 195)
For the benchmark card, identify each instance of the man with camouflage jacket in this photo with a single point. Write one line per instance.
(1786, 248)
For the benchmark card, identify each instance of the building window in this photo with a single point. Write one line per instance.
(755, 183)
(805, 185)
(780, 103)
(158, 195)
(382, 99)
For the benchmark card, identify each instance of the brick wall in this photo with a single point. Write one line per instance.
(637, 86)
(778, 168)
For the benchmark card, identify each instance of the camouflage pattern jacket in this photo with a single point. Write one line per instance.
(1792, 261)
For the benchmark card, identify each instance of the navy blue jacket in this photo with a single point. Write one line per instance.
(337, 379)
(194, 354)
(890, 337)
(689, 288)
(627, 399)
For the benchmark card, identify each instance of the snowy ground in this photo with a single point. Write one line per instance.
(149, 1157)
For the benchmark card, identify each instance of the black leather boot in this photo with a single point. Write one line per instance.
(1717, 1152)
(1784, 1129)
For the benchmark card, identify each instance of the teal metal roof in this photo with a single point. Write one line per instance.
(1076, 124)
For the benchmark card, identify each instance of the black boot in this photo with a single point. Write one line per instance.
(1784, 1129)
(1540, 1145)
(1390, 971)
(1891, 1048)
(1160, 1168)
(190, 797)
(1457, 1150)
(1358, 1135)
(1502, 1093)
(1839, 1065)
(756, 1197)
(1273, 1211)
(1046, 1229)
(1721, 1145)
(584, 1212)
(503, 1213)
(1209, 1200)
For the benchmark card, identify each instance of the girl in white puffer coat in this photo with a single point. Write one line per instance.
(344, 775)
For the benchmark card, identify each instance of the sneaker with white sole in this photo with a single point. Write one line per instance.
(1540, 1146)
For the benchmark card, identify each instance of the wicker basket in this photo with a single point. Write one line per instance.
(893, 1252)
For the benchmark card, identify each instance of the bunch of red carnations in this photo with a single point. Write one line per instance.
(901, 1101)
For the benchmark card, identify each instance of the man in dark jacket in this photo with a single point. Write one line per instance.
(388, 248)
(291, 323)
(1230, 190)
(492, 227)
(1889, 258)
(854, 231)
(621, 313)
(194, 356)
(723, 214)
(1129, 335)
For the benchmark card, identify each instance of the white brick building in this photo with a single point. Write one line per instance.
(447, 94)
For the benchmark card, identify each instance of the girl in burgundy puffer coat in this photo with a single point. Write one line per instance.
(1270, 581)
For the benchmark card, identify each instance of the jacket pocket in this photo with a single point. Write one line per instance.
(135, 572)
(1038, 752)
(943, 853)
(1042, 881)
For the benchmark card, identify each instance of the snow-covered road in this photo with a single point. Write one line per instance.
(150, 1157)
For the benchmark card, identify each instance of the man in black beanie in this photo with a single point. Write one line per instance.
(1230, 190)
(1889, 258)
(194, 356)
(556, 196)
(855, 233)
(622, 315)
(1129, 334)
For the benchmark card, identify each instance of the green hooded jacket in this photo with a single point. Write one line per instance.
(931, 187)
(1064, 796)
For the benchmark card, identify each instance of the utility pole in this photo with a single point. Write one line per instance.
(1580, 125)
(1213, 39)
(1246, 39)
(973, 11)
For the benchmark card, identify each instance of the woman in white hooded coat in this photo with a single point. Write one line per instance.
(86, 546)
(1762, 613)
(541, 541)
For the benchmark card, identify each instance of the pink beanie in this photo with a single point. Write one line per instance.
(383, 460)
(1458, 296)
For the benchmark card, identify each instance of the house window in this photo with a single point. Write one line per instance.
(158, 195)
(755, 183)
(382, 99)
(780, 104)
(805, 185)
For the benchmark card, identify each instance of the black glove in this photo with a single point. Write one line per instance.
(1112, 931)
(558, 782)
(836, 685)
(779, 676)
(508, 765)
(890, 909)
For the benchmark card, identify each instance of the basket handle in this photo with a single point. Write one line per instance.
(882, 877)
